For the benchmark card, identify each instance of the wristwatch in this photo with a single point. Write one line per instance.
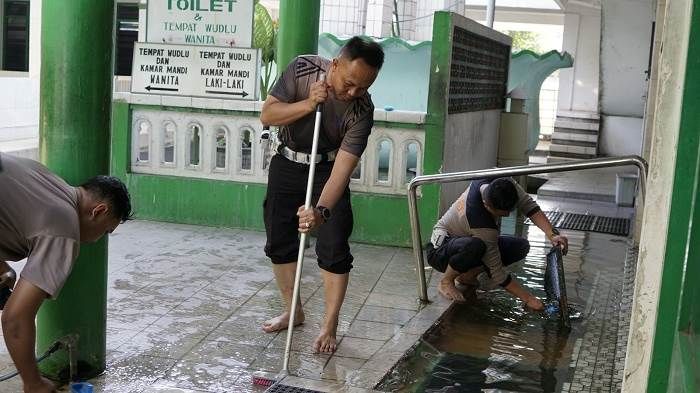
(325, 213)
(555, 232)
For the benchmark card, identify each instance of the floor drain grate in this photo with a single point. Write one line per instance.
(616, 226)
(577, 222)
(279, 388)
(586, 222)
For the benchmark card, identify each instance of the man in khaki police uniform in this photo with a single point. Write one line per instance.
(44, 219)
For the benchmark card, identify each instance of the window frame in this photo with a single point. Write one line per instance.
(3, 71)
(390, 169)
(213, 144)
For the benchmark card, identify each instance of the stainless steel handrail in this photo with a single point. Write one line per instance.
(501, 172)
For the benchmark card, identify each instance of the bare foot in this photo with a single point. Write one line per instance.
(326, 342)
(449, 291)
(467, 279)
(281, 322)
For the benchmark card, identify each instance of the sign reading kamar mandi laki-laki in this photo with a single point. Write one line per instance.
(201, 22)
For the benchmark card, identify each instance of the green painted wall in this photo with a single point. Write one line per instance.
(379, 219)
(674, 363)
(436, 117)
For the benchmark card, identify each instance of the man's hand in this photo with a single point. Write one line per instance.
(42, 385)
(19, 333)
(534, 303)
(318, 93)
(309, 219)
(561, 241)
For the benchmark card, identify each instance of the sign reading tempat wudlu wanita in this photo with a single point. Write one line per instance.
(200, 22)
(198, 71)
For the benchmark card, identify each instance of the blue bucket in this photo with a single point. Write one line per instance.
(81, 387)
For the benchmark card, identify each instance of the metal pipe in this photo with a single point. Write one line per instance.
(442, 178)
(302, 239)
(490, 12)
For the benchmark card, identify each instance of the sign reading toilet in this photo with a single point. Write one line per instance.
(197, 71)
(200, 22)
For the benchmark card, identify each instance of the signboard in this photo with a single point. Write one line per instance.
(198, 71)
(201, 22)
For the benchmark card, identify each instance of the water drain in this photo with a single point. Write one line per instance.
(279, 388)
(589, 223)
(616, 226)
(577, 222)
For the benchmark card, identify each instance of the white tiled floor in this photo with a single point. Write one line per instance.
(185, 306)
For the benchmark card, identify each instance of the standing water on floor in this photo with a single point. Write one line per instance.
(492, 344)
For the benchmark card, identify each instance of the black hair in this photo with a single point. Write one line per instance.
(365, 49)
(111, 190)
(502, 194)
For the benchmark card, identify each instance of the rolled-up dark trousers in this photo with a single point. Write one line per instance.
(465, 253)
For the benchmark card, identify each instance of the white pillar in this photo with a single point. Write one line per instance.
(578, 86)
(426, 9)
(342, 17)
(379, 16)
(407, 10)
(490, 12)
(652, 249)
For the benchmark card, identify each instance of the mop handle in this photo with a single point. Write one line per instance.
(302, 239)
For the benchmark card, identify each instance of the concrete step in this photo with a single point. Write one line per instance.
(533, 160)
(571, 142)
(579, 115)
(575, 137)
(558, 160)
(28, 148)
(574, 131)
(584, 151)
(576, 125)
(589, 196)
(9, 134)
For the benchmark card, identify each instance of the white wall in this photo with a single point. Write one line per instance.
(471, 142)
(578, 86)
(621, 136)
(624, 56)
(19, 108)
(19, 91)
(379, 18)
(662, 163)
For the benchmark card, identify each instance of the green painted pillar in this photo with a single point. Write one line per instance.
(675, 359)
(298, 33)
(76, 95)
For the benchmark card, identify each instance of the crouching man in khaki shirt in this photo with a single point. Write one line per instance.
(467, 240)
(44, 219)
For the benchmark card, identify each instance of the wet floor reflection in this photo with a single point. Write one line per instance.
(492, 344)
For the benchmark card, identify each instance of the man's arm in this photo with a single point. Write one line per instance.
(494, 264)
(20, 334)
(344, 164)
(530, 208)
(542, 222)
(278, 113)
